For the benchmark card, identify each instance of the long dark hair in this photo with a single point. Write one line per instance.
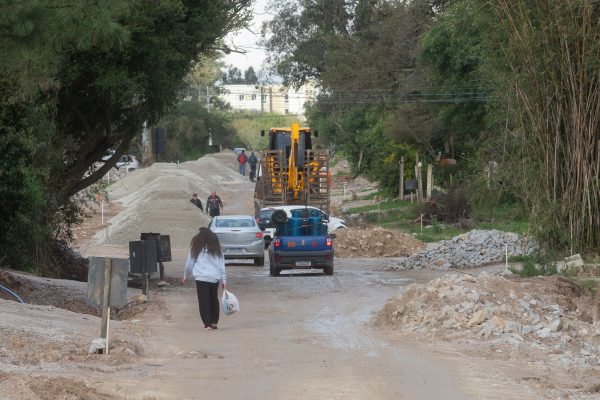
(205, 239)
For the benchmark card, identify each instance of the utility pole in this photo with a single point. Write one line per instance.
(207, 99)
(401, 183)
(262, 100)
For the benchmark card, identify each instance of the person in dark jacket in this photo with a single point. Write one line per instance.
(252, 160)
(196, 201)
(214, 204)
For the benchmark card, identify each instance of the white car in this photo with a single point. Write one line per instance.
(264, 220)
(240, 237)
(130, 163)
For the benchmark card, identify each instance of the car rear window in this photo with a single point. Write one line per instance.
(235, 223)
(266, 214)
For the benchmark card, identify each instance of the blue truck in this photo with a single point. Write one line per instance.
(300, 242)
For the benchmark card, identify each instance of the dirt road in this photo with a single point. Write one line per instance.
(300, 336)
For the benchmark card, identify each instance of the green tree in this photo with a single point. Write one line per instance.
(250, 77)
(90, 74)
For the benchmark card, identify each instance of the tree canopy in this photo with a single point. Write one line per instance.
(79, 78)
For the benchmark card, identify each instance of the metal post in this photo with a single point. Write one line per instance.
(144, 273)
(161, 268)
(105, 302)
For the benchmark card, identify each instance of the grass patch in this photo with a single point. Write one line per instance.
(589, 284)
(384, 194)
(537, 264)
(404, 216)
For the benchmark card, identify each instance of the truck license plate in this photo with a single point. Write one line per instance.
(303, 263)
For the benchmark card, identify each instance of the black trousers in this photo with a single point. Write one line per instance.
(208, 302)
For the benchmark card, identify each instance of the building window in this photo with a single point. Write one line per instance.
(287, 111)
(263, 98)
(253, 97)
(241, 97)
(287, 98)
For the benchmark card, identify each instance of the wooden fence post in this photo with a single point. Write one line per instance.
(429, 181)
(401, 189)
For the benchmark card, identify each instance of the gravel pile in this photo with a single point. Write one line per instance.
(374, 242)
(153, 198)
(472, 249)
(547, 314)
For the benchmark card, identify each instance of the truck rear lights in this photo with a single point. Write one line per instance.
(259, 235)
(277, 243)
(329, 242)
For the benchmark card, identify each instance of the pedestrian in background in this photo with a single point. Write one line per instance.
(252, 160)
(214, 204)
(206, 263)
(196, 201)
(243, 159)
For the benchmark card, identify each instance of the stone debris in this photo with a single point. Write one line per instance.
(374, 242)
(472, 249)
(548, 314)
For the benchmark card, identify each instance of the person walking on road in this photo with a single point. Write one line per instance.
(214, 204)
(196, 201)
(252, 160)
(243, 159)
(206, 263)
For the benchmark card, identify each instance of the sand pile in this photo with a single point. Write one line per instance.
(547, 314)
(156, 199)
(374, 242)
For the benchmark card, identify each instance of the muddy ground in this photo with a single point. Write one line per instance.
(300, 336)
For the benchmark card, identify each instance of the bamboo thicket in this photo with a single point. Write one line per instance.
(554, 57)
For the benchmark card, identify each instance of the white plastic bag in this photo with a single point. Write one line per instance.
(230, 303)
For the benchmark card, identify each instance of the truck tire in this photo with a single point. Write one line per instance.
(260, 261)
(328, 270)
(274, 270)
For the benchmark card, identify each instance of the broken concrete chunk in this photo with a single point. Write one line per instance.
(543, 333)
(556, 325)
(97, 345)
(478, 317)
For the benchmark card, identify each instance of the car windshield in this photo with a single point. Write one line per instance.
(235, 223)
(266, 214)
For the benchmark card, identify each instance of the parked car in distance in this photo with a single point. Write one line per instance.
(240, 237)
(266, 223)
(130, 163)
(238, 150)
(109, 153)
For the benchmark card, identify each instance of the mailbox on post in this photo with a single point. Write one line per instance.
(142, 259)
(163, 248)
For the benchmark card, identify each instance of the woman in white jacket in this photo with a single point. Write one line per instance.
(206, 263)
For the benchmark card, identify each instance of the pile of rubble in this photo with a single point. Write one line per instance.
(549, 314)
(374, 242)
(472, 249)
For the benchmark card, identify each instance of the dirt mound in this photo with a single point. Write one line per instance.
(543, 313)
(153, 197)
(374, 242)
(60, 293)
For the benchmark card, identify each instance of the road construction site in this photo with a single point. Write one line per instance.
(393, 322)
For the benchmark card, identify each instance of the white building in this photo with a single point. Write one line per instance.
(268, 98)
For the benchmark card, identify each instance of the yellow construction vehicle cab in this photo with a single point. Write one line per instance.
(291, 171)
